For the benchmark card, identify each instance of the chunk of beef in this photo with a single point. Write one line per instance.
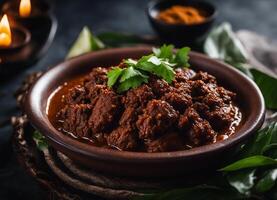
(179, 100)
(105, 112)
(197, 129)
(212, 99)
(221, 117)
(98, 75)
(77, 95)
(123, 138)
(129, 116)
(200, 88)
(205, 77)
(226, 95)
(157, 117)
(74, 119)
(182, 75)
(94, 92)
(168, 142)
(159, 86)
(138, 97)
(183, 87)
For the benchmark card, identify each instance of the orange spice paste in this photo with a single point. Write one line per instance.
(182, 15)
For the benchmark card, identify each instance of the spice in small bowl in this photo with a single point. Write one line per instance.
(178, 14)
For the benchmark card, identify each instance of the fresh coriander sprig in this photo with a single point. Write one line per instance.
(161, 63)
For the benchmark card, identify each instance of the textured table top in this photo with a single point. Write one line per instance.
(105, 15)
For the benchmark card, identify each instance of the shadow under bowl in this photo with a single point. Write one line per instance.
(181, 34)
(142, 164)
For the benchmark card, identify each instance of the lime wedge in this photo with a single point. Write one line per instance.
(86, 42)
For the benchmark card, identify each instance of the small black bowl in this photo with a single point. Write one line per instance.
(181, 34)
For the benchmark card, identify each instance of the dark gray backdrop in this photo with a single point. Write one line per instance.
(106, 15)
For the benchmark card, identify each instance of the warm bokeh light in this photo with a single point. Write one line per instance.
(5, 32)
(25, 8)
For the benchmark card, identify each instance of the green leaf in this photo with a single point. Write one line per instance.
(267, 181)
(158, 67)
(114, 39)
(268, 87)
(198, 192)
(242, 180)
(132, 82)
(113, 75)
(129, 73)
(223, 44)
(257, 144)
(40, 140)
(85, 42)
(250, 162)
(182, 57)
(165, 52)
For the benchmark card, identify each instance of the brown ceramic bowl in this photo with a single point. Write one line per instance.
(139, 164)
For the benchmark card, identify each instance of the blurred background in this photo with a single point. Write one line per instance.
(105, 15)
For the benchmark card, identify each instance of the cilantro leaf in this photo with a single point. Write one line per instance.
(161, 63)
(182, 57)
(165, 52)
(158, 67)
(131, 78)
(113, 75)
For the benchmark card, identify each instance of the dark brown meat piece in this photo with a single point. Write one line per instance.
(159, 86)
(98, 75)
(168, 142)
(226, 95)
(205, 77)
(94, 92)
(157, 117)
(221, 117)
(182, 75)
(138, 97)
(123, 138)
(178, 99)
(77, 95)
(197, 129)
(74, 119)
(129, 116)
(105, 112)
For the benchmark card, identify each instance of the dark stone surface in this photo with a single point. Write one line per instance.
(103, 15)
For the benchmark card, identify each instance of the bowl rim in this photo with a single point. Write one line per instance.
(152, 3)
(42, 124)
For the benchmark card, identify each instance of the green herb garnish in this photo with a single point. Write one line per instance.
(161, 63)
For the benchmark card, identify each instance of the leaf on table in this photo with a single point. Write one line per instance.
(85, 42)
(250, 162)
(114, 39)
(243, 180)
(40, 140)
(267, 181)
(268, 87)
(198, 192)
(223, 44)
(257, 144)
